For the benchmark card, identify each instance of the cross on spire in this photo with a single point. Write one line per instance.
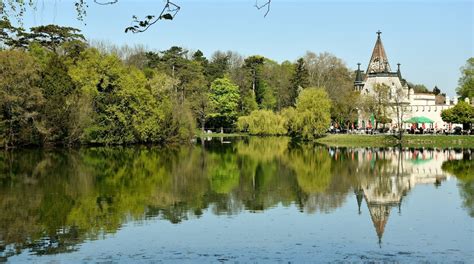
(379, 32)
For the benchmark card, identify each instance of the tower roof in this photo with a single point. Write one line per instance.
(379, 61)
(379, 214)
(359, 78)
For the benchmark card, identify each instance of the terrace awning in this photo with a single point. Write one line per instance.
(419, 119)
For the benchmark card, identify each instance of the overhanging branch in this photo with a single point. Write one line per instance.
(169, 11)
(266, 4)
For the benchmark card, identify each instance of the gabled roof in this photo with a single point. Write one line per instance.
(379, 61)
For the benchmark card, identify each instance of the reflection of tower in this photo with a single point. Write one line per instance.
(381, 194)
(385, 179)
(379, 214)
(359, 196)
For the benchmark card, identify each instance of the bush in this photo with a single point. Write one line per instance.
(263, 122)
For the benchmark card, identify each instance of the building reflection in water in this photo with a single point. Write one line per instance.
(385, 176)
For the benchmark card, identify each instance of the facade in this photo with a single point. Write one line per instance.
(411, 104)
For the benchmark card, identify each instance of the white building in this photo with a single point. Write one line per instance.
(414, 104)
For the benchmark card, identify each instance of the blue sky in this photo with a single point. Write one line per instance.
(431, 39)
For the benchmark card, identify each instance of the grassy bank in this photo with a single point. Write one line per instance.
(440, 141)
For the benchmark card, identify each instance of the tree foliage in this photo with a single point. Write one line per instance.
(104, 94)
(224, 99)
(49, 36)
(262, 122)
(20, 100)
(466, 81)
(418, 88)
(299, 80)
(312, 114)
(462, 113)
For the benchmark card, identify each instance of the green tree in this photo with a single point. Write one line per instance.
(418, 88)
(378, 104)
(299, 80)
(20, 100)
(58, 89)
(248, 103)
(11, 36)
(345, 110)
(466, 81)
(125, 111)
(48, 36)
(329, 72)
(53, 36)
(224, 97)
(218, 66)
(312, 117)
(254, 68)
(462, 113)
(269, 100)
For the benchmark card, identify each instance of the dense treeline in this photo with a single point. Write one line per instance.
(58, 89)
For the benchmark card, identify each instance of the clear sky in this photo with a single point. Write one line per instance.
(431, 39)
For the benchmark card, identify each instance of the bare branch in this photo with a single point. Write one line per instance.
(267, 4)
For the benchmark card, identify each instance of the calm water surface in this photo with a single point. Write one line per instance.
(237, 200)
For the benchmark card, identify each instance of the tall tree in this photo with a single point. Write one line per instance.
(312, 115)
(345, 110)
(254, 68)
(57, 88)
(225, 101)
(218, 66)
(11, 36)
(466, 81)
(299, 80)
(328, 71)
(53, 36)
(48, 36)
(20, 100)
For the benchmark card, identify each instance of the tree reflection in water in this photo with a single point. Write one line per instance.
(52, 200)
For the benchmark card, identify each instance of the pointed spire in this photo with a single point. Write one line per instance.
(359, 196)
(358, 74)
(379, 61)
(379, 214)
(399, 73)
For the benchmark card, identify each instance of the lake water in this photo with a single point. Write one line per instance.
(237, 200)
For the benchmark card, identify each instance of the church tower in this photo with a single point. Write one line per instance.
(378, 61)
(378, 72)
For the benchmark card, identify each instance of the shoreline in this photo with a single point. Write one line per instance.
(441, 141)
